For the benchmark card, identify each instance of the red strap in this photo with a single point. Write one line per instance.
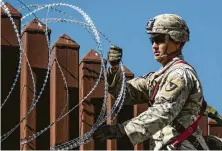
(189, 131)
(181, 61)
(157, 85)
(184, 62)
(192, 128)
(155, 92)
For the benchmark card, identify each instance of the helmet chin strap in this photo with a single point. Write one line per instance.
(168, 56)
(163, 56)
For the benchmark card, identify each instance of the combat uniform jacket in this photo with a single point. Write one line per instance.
(177, 96)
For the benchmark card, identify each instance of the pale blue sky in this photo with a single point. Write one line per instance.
(124, 21)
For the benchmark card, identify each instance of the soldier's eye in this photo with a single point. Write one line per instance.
(158, 39)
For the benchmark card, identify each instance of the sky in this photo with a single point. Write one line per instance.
(123, 22)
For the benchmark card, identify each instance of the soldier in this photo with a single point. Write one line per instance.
(174, 93)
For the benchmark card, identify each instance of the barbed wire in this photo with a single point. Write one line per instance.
(101, 118)
(6, 10)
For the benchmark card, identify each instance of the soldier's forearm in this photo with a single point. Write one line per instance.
(115, 82)
(113, 78)
(135, 91)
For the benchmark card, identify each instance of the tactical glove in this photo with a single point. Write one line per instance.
(114, 55)
(109, 132)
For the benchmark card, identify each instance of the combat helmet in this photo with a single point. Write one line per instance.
(170, 24)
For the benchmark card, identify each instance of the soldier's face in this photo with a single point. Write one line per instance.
(159, 46)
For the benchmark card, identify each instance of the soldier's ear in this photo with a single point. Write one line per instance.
(179, 45)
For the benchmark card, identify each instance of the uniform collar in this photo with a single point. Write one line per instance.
(163, 69)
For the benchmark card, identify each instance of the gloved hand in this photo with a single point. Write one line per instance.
(114, 55)
(109, 132)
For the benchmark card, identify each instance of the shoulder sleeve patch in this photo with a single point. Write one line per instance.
(172, 87)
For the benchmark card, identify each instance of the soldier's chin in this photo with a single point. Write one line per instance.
(158, 58)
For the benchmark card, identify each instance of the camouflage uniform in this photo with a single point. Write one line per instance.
(174, 93)
(179, 98)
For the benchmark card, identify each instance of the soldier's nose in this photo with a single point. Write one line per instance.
(155, 46)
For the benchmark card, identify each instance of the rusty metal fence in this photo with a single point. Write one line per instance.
(80, 77)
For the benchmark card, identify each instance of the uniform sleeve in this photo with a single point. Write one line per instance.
(169, 101)
(137, 89)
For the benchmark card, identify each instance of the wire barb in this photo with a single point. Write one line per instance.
(89, 25)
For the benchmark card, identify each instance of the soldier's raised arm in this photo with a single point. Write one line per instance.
(136, 89)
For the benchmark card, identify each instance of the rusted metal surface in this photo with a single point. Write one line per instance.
(92, 57)
(65, 41)
(9, 62)
(14, 12)
(111, 144)
(36, 42)
(28, 127)
(215, 129)
(66, 51)
(35, 26)
(204, 125)
(35, 46)
(212, 122)
(88, 74)
(8, 35)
